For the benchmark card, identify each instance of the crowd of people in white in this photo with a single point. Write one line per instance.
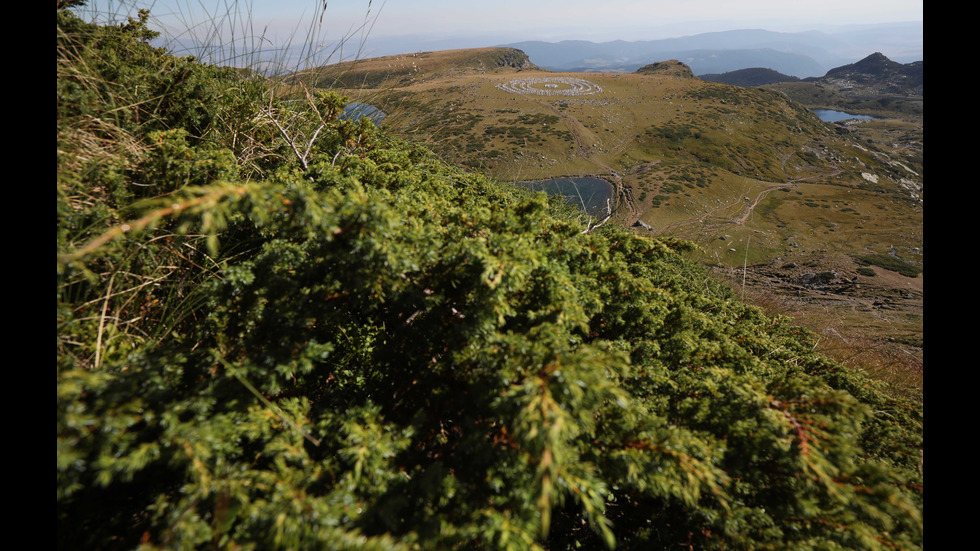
(551, 86)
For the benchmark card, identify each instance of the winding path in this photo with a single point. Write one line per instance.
(785, 185)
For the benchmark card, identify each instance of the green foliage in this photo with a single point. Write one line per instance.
(866, 271)
(368, 349)
(890, 262)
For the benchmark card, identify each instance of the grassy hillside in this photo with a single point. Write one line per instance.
(281, 329)
(409, 69)
(750, 175)
(683, 151)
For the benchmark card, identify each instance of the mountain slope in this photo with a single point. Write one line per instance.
(625, 122)
(874, 85)
(878, 74)
(405, 70)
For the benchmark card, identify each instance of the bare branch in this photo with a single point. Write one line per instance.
(589, 229)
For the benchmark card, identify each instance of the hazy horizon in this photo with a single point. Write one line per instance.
(343, 29)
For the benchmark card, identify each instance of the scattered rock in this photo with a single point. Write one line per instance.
(818, 278)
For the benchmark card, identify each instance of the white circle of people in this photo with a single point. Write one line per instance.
(551, 86)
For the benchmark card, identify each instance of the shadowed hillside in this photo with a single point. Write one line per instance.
(749, 77)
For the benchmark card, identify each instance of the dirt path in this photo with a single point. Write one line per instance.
(791, 184)
(750, 207)
(740, 220)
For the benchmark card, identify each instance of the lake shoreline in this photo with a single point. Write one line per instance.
(589, 192)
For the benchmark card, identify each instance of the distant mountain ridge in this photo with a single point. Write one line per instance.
(802, 54)
(872, 75)
(625, 57)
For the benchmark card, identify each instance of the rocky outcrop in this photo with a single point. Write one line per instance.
(512, 58)
(668, 68)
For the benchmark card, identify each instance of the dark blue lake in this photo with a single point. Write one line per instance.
(588, 193)
(354, 111)
(829, 115)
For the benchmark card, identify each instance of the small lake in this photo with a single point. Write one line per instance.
(354, 111)
(829, 115)
(588, 193)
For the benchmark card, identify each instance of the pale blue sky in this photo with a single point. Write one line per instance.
(492, 22)
(610, 19)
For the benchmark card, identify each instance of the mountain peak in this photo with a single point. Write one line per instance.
(671, 67)
(874, 64)
(879, 72)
